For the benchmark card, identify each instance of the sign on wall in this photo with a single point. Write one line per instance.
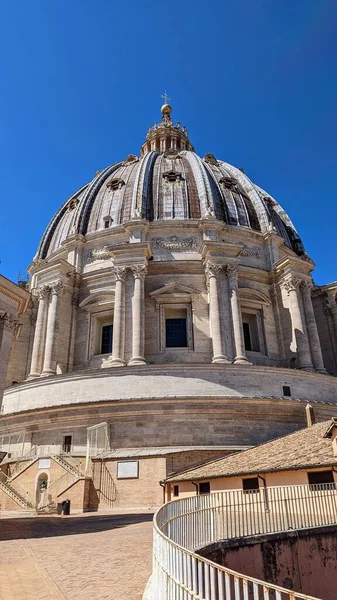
(127, 469)
(44, 463)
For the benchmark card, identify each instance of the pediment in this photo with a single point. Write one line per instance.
(250, 294)
(174, 292)
(98, 300)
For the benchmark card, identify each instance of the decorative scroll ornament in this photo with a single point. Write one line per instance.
(10, 322)
(139, 271)
(120, 273)
(174, 243)
(98, 254)
(251, 251)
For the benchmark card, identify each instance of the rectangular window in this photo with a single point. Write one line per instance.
(176, 490)
(106, 341)
(319, 478)
(176, 328)
(286, 391)
(67, 443)
(128, 469)
(205, 487)
(250, 485)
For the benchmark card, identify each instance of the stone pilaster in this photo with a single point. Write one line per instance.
(298, 327)
(239, 341)
(314, 342)
(40, 332)
(117, 357)
(49, 362)
(8, 328)
(213, 272)
(138, 317)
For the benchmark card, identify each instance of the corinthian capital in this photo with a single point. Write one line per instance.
(43, 291)
(213, 270)
(291, 284)
(233, 274)
(306, 285)
(9, 322)
(120, 273)
(57, 288)
(139, 271)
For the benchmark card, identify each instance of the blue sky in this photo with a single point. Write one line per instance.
(253, 80)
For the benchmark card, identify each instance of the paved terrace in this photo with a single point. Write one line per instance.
(81, 557)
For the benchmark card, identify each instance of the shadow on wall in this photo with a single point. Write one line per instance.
(15, 529)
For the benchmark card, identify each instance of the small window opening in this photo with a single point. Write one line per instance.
(172, 176)
(176, 491)
(286, 391)
(106, 341)
(205, 487)
(115, 184)
(107, 222)
(250, 485)
(319, 478)
(250, 332)
(227, 182)
(176, 328)
(67, 443)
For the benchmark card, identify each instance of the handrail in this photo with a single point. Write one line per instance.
(183, 526)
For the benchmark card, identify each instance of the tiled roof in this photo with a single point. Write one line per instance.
(307, 448)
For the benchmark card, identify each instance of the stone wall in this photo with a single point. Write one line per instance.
(301, 560)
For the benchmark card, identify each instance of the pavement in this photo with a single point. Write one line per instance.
(80, 557)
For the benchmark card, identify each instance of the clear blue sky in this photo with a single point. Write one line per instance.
(255, 82)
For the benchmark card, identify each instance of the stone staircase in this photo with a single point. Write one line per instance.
(68, 463)
(15, 492)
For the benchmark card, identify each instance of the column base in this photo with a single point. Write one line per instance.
(308, 368)
(117, 362)
(241, 360)
(220, 359)
(33, 376)
(323, 371)
(47, 373)
(137, 360)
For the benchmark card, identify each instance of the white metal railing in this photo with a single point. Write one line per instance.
(184, 526)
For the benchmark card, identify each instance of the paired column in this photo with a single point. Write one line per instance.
(213, 272)
(138, 318)
(315, 345)
(117, 358)
(239, 340)
(298, 326)
(40, 331)
(49, 363)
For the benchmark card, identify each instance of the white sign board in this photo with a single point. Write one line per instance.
(127, 469)
(44, 463)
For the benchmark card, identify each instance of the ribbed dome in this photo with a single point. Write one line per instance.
(167, 183)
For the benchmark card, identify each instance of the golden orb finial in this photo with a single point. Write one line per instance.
(166, 109)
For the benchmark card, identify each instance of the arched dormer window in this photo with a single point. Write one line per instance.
(227, 182)
(72, 204)
(115, 184)
(172, 176)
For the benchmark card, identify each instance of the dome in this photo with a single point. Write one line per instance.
(169, 181)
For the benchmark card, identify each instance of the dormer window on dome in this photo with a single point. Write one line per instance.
(172, 176)
(72, 204)
(228, 182)
(115, 184)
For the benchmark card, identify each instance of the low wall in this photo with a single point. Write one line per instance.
(169, 381)
(303, 560)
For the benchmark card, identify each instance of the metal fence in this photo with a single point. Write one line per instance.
(184, 526)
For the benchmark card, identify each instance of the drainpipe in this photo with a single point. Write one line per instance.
(264, 491)
(163, 486)
(197, 488)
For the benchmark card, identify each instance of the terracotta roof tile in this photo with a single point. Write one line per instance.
(306, 448)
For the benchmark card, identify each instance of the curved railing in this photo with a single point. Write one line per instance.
(184, 526)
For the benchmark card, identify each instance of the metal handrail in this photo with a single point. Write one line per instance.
(183, 526)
